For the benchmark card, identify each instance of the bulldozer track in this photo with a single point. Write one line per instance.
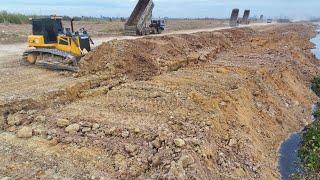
(50, 51)
(54, 65)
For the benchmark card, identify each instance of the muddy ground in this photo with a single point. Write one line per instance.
(206, 105)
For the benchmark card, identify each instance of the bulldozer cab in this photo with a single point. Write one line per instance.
(49, 28)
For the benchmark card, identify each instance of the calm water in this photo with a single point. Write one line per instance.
(289, 159)
(316, 41)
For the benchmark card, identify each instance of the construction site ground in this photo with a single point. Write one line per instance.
(201, 104)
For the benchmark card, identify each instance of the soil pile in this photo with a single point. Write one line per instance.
(141, 59)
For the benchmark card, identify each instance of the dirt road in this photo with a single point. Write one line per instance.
(207, 105)
(191, 31)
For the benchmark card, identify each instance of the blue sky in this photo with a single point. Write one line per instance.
(170, 8)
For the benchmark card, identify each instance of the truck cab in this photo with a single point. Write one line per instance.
(157, 25)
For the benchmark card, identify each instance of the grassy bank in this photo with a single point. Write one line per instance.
(315, 86)
(309, 151)
(310, 147)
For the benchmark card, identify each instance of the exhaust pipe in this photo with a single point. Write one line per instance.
(71, 21)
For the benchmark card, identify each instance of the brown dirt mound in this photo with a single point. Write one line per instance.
(141, 59)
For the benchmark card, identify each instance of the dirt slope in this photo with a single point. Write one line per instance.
(211, 105)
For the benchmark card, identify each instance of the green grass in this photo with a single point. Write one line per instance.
(315, 86)
(13, 18)
(17, 18)
(316, 114)
(309, 151)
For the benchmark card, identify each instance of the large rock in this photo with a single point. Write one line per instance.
(95, 126)
(6, 178)
(156, 143)
(14, 119)
(25, 132)
(63, 123)
(136, 130)
(179, 142)
(186, 160)
(129, 148)
(125, 134)
(2, 121)
(73, 128)
(40, 118)
(40, 131)
(86, 129)
(176, 171)
(120, 163)
(232, 142)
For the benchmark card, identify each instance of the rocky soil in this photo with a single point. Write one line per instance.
(211, 105)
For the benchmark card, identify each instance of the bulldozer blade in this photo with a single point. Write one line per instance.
(57, 66)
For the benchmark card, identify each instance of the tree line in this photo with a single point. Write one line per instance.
(13, 18)
(17, 18)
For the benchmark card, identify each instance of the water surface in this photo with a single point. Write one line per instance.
(316, 41)
(289, 159)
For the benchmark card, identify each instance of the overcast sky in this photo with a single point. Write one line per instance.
(166, 8)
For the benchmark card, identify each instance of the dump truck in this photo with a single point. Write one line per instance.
(53, 47)
(245, 19)
(140, 22)
(261, 18)
(234, 17)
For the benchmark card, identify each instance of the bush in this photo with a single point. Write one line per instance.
(310, 148)
(309, 151)
(316, 113)
(12, 18)
(315, 85)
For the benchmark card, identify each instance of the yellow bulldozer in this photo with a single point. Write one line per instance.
(54, 47)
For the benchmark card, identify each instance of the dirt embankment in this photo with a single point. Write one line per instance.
(141, 59)
(211, 105)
